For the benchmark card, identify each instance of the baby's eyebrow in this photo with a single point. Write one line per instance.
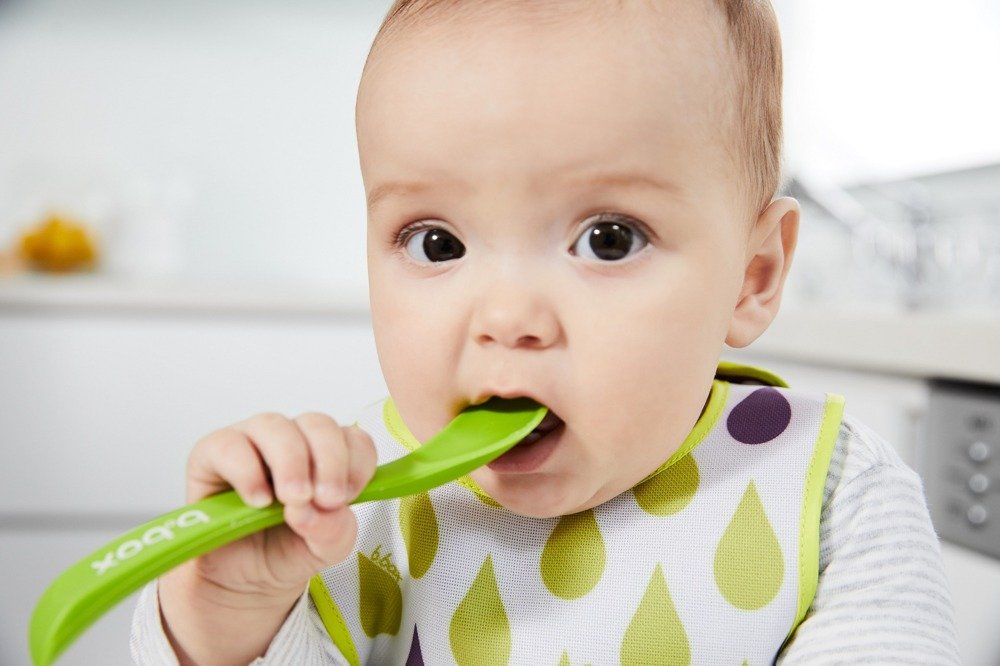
(382, 192)
(606, 180)
(613, 179)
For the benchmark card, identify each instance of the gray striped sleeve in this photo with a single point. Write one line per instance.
(302, 640)
(882, 596)
(148, 645)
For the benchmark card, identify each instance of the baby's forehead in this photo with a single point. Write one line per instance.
(541, 10)
(661, 20)
(664, 36)
(673, 49)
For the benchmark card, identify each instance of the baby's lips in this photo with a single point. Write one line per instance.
(506, 394)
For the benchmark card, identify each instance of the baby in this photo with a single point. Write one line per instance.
(574, 202)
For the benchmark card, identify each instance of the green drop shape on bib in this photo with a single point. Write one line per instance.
(418, 523)
(749, 567)
(574, 556)
(480, 631)
(656, 635)
(669, 491)
(380, 599)
(564, 660)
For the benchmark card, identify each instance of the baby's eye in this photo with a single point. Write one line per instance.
(434, 245)
(609, 241)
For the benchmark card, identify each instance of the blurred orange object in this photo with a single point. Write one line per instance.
(59, 244)
(10, 263)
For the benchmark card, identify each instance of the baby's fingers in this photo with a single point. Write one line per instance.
(361, 451)
(330, 464)
(284, 451)
(329, 535)
(227, 458)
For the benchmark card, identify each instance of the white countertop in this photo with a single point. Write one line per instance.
(90, 292)
(930, 343)
(957, 345)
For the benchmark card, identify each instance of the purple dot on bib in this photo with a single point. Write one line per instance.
(415, 658)
(759, 417)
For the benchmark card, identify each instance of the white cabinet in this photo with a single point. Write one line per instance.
(31, 558)
(99, 409)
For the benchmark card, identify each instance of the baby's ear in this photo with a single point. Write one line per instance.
(769, 256)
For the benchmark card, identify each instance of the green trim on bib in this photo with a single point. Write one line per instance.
(333, 620)
(728, 369)
(812, 505)
(716, 402)
(709, 415)
(394, 424)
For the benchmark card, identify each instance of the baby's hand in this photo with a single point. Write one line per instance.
(315, 468)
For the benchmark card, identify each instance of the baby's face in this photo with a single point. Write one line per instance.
(553, 214)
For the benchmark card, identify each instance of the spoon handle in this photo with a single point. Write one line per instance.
(89, 588)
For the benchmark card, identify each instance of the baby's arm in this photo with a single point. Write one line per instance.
(882, 594)
(227, 606)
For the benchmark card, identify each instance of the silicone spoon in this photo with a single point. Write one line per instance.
(89, 588)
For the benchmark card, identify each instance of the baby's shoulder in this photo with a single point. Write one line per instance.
(863, 457)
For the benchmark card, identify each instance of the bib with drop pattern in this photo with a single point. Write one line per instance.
(712, 559)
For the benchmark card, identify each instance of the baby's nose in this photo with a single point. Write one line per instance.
(516, 316)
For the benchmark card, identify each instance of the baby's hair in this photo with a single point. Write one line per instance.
(755, 41)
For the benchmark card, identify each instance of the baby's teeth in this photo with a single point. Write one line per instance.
(532, 437)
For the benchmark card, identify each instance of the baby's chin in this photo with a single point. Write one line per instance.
(539, 497)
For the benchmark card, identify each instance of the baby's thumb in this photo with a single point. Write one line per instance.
(362, 457)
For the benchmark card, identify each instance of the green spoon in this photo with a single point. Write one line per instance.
(89, 588)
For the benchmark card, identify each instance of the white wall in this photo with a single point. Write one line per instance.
(216, 139)
(884, 89)
(100, 409)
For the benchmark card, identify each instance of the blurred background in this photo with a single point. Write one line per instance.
(182, 234)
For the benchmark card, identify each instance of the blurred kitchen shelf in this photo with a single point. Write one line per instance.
(95, 292)
(940, 343)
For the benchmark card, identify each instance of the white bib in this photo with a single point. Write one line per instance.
(712, 559)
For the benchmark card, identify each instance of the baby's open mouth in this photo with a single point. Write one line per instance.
(530, 453)
(550, 423)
